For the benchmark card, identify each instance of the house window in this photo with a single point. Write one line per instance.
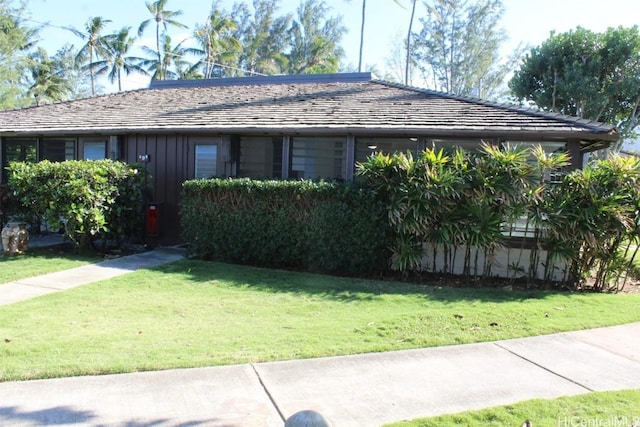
(260, 157)
(57, 150)
(318, 157)
(95, 150)
(367, 146)
(18, 150)
(206, 161)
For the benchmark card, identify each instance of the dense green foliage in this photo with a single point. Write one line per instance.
(89, 198)
(585, 74)
(15, 41)
(317, 226)
(447, 208)
(458, 48)
(592, 220)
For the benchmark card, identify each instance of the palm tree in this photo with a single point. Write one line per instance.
(263, 37)
(117, 47)
(48, 84)
(171, 56)
(160, 16)
(217, 41)
(94, 46)
(315, 40)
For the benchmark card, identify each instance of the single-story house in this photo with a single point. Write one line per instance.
(305, 126)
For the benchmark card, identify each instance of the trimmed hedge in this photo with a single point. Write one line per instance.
(317, 226)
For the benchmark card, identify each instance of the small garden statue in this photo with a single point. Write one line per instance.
(15, 238)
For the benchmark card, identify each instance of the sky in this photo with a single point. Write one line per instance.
(527, 22)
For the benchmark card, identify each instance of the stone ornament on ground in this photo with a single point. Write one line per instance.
(15, 237)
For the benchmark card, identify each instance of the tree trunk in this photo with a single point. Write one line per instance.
(406, 69)
(364, 7)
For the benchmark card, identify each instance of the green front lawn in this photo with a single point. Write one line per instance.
(618, 408)
(38, 261)
(195, 313)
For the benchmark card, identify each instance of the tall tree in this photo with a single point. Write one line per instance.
(585, 74)
(172, 59)
(315, 40)
(47, 80)
(407, 66)
(78, 80)
(458, 46)
(94, 45)
(117, 47)
(161, 17)
(362, 19)
(263, 37)
(218, 46)
(16, 39)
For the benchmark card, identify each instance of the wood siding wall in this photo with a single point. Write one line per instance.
(170, 163)
(167, 166)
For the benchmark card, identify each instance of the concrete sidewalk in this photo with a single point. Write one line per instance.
(62, 280)
(361, 390)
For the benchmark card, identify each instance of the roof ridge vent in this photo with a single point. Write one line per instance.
(263, 80)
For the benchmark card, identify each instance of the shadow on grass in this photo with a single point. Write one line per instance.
(335, 287)
(63, 415)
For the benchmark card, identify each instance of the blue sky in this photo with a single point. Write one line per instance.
(526, 21)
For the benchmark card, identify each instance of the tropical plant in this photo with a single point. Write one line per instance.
(219, 48)
(47, 82)
(447, 205)
(315, 40)
(16, 39)
(94, 47)
(117, 47)
(592, 219)
(263, 37)
(173, 61)
(162, 18)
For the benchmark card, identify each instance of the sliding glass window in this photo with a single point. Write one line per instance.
(318, 158)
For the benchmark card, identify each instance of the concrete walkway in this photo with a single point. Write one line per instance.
(62, 280)
(361, 390)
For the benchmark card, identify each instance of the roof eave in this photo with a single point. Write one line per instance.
(304, 129)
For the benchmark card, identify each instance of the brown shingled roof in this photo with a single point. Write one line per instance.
(355, 104)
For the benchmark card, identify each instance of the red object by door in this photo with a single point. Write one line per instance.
(152, 220)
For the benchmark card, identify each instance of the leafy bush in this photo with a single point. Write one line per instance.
(90, 199)
(445, 203)
(318, 226)
(592, 219)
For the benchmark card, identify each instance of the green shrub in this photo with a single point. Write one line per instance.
(318, 226)
(441, 203)
(91, 199)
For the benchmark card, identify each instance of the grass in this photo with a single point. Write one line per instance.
(618, 408)
(39, 261)
(194, 313)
